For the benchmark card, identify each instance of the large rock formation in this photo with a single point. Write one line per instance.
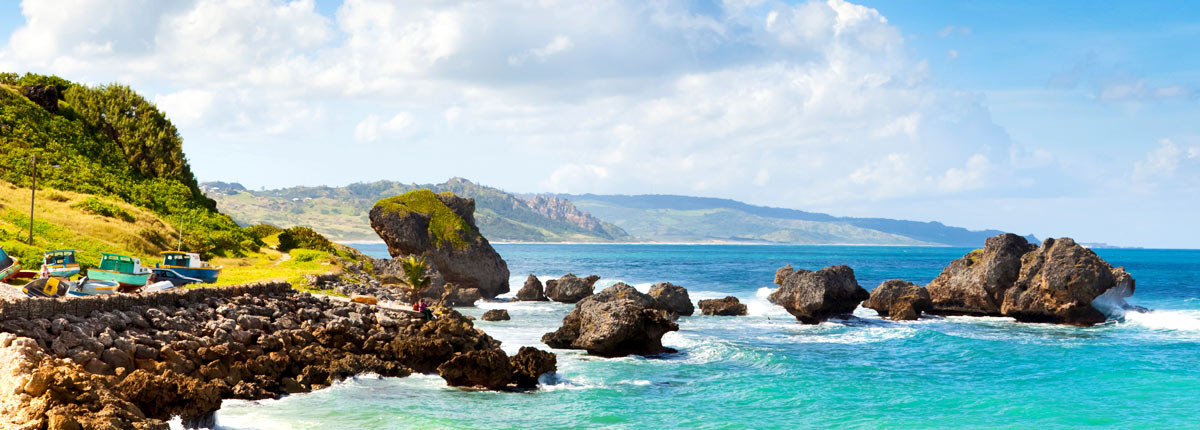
(488, 368)
(672, 298)
(975, 283)
(813, 297)
(728, 306)
(442, 228)
(618, 321)
(532, 290)
(495, 315)
(570, 288)
(1056, 282)
(531, 363)
(46, 96)
(899, 300)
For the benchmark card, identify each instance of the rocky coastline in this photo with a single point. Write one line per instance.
(137, 361)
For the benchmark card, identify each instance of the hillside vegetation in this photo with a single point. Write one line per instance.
(341, 212)
(109, 142)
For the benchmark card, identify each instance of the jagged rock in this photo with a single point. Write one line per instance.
(532, 290)
(570, 288)
(495, 315)
(487, 368)
(975, 284)
(728, 306)
(783, 273)
(618, 321)
(899, 300)
(442, 228)
(438, 341)
(1058, 282)
(46, 96)
(813, 297)
(672, 298)
(531, 363)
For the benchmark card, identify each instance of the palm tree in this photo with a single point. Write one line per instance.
(414, 275)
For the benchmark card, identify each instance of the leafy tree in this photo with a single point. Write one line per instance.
(414, 276)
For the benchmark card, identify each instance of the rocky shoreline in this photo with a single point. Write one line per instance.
(137, 361)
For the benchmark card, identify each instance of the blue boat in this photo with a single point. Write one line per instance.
(174, 277)
(60, 263)
(8, 266)
(189, 264)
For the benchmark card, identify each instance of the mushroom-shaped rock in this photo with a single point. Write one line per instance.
(442, 228)
(495, 315)
(975, 284)
(616, 322)
(488, 368)
(728, 306)
(899, 300)
(531, 363)
(813, 297)
(570, 288)
(672, 298)
(532, 290)
(1058, 282)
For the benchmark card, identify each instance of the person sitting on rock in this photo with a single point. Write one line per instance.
(423, 308)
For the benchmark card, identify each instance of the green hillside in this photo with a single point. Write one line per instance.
(109, 142)
(341, 212)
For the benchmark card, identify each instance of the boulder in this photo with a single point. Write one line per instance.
(570, 288)
(495, 315)
(487, 368)
(899, 300)
(672, 298)
(1058, 282)
(531, 363)
(783, 273)
(975, 284)
(46, 96)
(618, 321)
(813, 297)
(442, 228)
(532, 290)
(728, 306)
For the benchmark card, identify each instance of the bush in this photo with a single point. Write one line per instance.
(105, 209)
(57, 197)
(303, 238)
(9, 78)
(307, 255)
(261, 231)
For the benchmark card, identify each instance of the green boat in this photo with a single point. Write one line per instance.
(60, 263)
(122, 269)
(8, 266)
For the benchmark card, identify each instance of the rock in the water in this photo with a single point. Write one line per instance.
(672, 298)
(487, 368)
(570, 288)
(1058, 282)
(813, 297)
(616, 322)
(531, 363)
(442, 228)
(899, 300)
(975, 283)
(495, 315)
(532, 290)
(728, 306)
(783, 273)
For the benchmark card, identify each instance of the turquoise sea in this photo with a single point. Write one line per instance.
(768, 371)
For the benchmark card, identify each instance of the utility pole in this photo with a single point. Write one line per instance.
(180, 247)
(32, 199)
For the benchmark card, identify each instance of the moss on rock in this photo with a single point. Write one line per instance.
(445, 226)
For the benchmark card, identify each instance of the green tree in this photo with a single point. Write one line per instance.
(414, 276)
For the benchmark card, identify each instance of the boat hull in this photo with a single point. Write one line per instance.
(64, 271)
(11, 270)
(206, 274)
(129, 280)
(94, 288)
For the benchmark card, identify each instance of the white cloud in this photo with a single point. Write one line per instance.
(187, 107)
(952, 54)
(949, 30)
(1163, 165)
(373, 127)
(559, 44)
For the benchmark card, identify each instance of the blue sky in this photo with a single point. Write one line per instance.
(1053, 118)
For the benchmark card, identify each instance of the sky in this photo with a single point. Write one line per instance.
(1073, 118)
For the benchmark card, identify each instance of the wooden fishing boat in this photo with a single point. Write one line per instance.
(60, 263)
(124, 270)
(9, 266)
(92, 287)
(174, 277)
(189, 264)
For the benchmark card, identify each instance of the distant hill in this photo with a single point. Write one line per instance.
(675, 218)
(341, 212)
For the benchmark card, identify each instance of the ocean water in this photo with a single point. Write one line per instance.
(768, 371)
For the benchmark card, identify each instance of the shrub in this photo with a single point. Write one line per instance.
(261, 231)
(307, 255)
(57, 197)
(9, 78)
(305, 238)
(105, 209)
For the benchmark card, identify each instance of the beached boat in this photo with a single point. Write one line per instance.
(174, 277)
(189, 264)
(8, 266)
(92, 287)
(47, 287)
(60, 263)
(124, 270)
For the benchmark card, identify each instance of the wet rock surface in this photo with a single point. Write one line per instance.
(728, 306)
(618, 321)
(532, 291)
(899, 300)
(570, 288)
(813, 297)
(495, 315)
(975, 283)
(672, 298)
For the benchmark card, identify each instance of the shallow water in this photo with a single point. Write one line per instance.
(767, 371)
